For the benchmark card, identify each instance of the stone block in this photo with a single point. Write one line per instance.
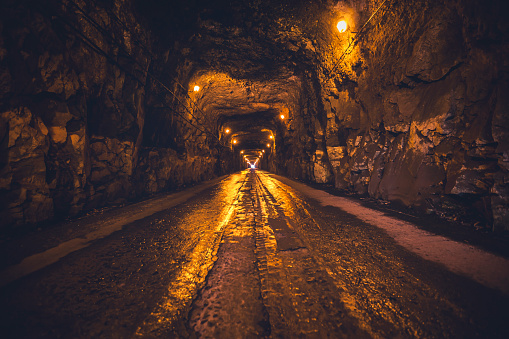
(99, 175)
(58, 134)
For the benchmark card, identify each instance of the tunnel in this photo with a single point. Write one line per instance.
(399, 103)
(108, 101)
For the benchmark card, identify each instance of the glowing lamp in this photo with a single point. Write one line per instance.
(342, 26)
(268, 145)
(227, 130)
(234, 141)
(196, 88)
(282, 116)
(241, 152)
(263, 150)
(271, 137)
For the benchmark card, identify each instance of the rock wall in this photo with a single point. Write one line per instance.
(162, 169)
(420, 115)
(300, 137)
(73, 104)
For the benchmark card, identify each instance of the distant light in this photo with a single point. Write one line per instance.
(227, 130)
(282, 116)
(271, 137)
(241, 152)
(196, 88)
(252, 166)
(268, 145)
(263, 150)
(234, 141)
(342, 26)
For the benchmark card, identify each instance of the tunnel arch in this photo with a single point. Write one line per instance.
(247, 107)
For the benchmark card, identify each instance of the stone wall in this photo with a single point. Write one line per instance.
(162, 169)
(420, 116)
(73, 102)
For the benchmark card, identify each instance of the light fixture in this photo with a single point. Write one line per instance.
(196, 88)
(235, 141)
(227, 130)
(241, 152)
(342, 26)
(263, 150)
(271, 137)
(268, 145)
(282, 116)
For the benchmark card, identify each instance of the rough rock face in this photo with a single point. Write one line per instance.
(24, 146)
(73, 89)
(162, 169)
(425, 119)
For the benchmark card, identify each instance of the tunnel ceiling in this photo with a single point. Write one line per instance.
(248, 109)
(248, 57)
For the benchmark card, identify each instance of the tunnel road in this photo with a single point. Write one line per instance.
(255, 255)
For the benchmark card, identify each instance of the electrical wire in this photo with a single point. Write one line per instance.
(124, 25)
(119, 44)
(353, 42)
(185, 91)
(98, 50)
(112, 40)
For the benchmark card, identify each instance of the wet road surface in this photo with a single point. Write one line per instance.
(252, 255)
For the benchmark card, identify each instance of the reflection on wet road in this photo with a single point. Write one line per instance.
(254, 257)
